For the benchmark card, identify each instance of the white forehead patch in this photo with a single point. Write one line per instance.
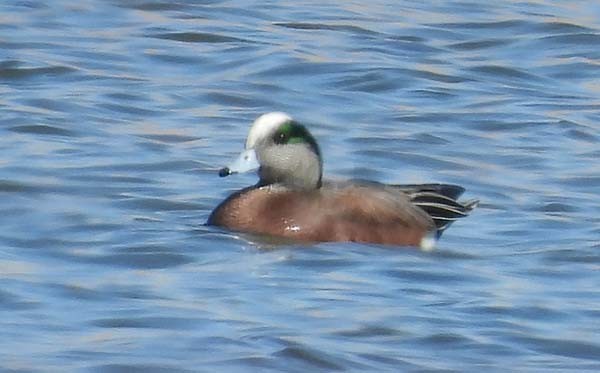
(264, 126)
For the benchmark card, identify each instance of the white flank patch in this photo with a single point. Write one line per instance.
(428, 242)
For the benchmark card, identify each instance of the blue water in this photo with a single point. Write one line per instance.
(116, 116)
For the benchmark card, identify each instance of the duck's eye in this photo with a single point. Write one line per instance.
(281, 138)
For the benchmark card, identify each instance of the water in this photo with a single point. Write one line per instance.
(116, 116)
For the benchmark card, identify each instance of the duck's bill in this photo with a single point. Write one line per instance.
(247, 161)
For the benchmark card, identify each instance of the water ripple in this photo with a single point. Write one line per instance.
(568, 348)
(142, 258)
(141, 368)
(328, 27)
(40, 129)
(14, 72)
(197, 37)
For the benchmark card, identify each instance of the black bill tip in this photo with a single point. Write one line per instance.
(224, 172)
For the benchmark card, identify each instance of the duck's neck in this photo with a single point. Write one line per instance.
(293, 171)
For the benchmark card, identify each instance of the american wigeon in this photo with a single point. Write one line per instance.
(292, 200)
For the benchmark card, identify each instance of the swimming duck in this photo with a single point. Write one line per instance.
(292, 200)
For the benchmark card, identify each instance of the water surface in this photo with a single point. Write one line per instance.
(116, 116)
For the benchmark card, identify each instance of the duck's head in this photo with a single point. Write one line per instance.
(283, 151)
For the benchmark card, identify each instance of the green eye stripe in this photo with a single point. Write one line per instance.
(295, 133)
(285, 132)
(296, 140)
(291, 133)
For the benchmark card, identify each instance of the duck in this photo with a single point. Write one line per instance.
(291, 200)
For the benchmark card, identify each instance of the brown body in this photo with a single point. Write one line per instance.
(348, 212)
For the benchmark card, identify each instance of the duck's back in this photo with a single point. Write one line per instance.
(355, 212)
